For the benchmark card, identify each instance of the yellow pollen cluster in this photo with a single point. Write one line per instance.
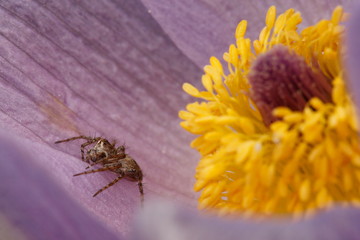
(306, 160)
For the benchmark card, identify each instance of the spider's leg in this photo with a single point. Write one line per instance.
(141, 190)
(107, 160)
(78, 137)
(109, 185)
(97, 170)
(95, 163)
(90, 140)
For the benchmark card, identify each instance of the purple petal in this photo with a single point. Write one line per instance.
(35, 206)
(97, 68)
(202, 29)
(353, 59)
(163, 221)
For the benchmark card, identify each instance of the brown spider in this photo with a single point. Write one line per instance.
(112, 158)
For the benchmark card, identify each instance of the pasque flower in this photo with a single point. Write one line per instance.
(115, 69)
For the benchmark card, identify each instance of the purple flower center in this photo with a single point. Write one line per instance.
(280, 77)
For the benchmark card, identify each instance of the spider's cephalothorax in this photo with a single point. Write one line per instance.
(102, 149)
(111, 158)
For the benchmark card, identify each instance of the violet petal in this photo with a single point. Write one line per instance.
(97, 68)
(161, 221)
(202, 29)
(36, 206)
(353, 59)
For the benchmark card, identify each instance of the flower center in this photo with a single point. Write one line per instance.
(278, 134)
(280, 77)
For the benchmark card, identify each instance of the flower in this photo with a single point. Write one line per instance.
(268, 129)
(106, 68)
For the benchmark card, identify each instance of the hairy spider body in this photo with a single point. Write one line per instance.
(111, 158)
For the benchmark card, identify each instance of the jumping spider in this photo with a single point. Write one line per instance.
(111, 158)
